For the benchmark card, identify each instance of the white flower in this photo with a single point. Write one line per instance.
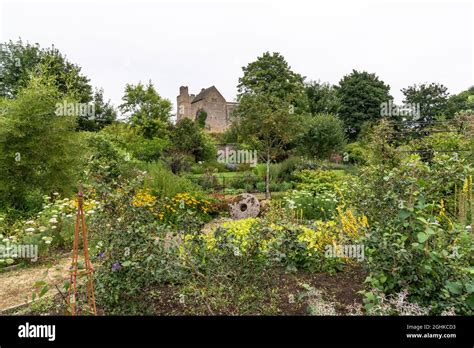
(42, 228)
(48, 242)
(29, 222)
(91, 211)
(30, 229)
(54, 227)
(56, 194)
(53, 221)
(468, 227)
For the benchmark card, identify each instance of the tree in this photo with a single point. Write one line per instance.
(271, 101)
(361, 95)
(323, 136)
(146, 109)
(104, 114)
(38, 149)
(188, 138)
(270, 75)
(322, 98)
(461, 102)
(432, 98)
(130, 139)
(19, 62)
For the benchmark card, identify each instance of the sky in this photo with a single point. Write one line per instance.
(203, 43)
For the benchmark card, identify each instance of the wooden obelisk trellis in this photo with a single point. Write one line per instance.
(88, 269)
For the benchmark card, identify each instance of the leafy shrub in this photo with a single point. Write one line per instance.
(131, 140)
(162, 182)
(427, 256)
(323, 136)
(356, 153)
(135, 249)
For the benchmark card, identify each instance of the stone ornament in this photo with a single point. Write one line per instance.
(244, 206)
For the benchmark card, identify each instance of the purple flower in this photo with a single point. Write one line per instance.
(116, 266)
(100, 255)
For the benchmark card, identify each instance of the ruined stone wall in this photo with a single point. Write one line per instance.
(184, 104)
(215, 106)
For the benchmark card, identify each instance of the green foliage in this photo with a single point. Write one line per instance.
(361, 95)
(433, 99)
(131, 140)
(201, 119)
(20, 60)
(163, 182)
(188, 138)
(462, 102)
(106, 162)
(356, 153)
(317, 193)
(323, 136)
(104, 114)
(270, 75)
(272, 99)
(424, 254)
(138, 244)
(322, 98)
(146, 109)
(38, 149)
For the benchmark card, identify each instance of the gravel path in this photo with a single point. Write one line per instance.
(17, 286)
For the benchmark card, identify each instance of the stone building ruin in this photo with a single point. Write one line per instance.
(209, 106)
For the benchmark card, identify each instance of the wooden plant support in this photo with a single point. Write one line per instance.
(88, 270)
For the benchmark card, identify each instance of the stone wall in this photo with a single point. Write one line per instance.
(211, 102)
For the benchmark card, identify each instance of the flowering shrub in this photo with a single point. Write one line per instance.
(51, 228)
(313, 205)
(286, 243)
(168, 210)
(318, 193)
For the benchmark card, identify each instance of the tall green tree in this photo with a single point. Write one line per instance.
(272, 100)
(38, 149)
(188, 138)
(270, 75)
(432, 98)
(323, 135)
(461, 102)
(146, 109)
(361, 95)
(322, 98)
(104, 114)
(20, 61)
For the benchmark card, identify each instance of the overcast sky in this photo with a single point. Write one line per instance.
(203, 43)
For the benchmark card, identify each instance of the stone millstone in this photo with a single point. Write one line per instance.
(244, 206)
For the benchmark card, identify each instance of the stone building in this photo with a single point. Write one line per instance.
(210, 104)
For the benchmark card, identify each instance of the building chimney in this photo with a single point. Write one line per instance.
(183, 90)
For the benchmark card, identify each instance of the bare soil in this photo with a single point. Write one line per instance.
(17, 286)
